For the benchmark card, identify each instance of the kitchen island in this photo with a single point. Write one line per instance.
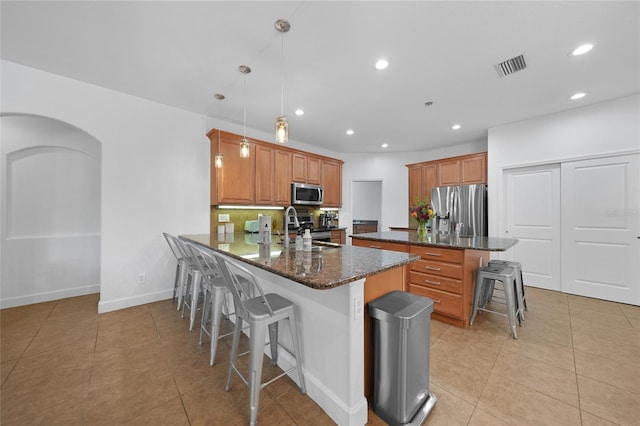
(445, 271)
(330, 287)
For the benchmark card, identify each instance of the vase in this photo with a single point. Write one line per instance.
(422, 229)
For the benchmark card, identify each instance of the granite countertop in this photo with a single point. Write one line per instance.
(326, 266)
(440, 240)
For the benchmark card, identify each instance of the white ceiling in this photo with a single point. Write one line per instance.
(181, 53)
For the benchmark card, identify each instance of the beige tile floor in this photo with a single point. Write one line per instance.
(577, 361)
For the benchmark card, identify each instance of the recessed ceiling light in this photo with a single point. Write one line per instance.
(578, 95)
(581, 50)
(349, 132)
(299, 112)
(455, 127)
(385, 145)
(382, 64)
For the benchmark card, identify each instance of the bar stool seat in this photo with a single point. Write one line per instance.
(261, 313)
(509, 278)
(522, 299)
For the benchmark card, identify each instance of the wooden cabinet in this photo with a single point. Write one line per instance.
(448, 172)
(229, 183)
(339, 236)
(383, 245)
(306, 168)
(265, 177)
(332, 183)
(473, 169)
(282, 179)
(363, 228)
(446, 276)
(462, 170)
(422, 178)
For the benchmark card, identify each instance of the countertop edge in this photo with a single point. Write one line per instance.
(402, 237)
(301, 280)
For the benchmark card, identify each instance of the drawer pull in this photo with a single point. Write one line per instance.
(432, 282)
(376, 247)
(431, 268)
(436, 301)
(432, 254)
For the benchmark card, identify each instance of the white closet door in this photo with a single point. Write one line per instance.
(601, 228)
(532, 215)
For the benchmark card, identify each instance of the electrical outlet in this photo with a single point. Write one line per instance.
(358, 308)
(223, 217)
(142, 278)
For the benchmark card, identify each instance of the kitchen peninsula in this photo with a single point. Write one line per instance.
(445, 271)
(330, 286)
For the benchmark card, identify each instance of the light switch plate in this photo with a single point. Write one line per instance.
(223, 217)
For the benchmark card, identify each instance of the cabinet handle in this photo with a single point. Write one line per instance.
(436, 301)
(431, 268)
(432, 254)
(376, 247)
(432, 282)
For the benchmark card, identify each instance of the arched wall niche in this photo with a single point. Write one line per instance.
(51, 192)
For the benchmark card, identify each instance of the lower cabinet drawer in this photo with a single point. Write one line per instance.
(436, 282)
(450, 270)
(443, 302)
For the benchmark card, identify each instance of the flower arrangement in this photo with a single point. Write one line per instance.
(422, 212)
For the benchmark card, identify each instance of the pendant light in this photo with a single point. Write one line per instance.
(244, 143)
(218, 157)
(282, 127)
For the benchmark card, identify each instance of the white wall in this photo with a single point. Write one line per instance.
(155, 175)
(391, 169)
(596, 130)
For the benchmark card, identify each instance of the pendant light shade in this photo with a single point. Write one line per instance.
(282, 127)
(218, 160)
(282, 130)
(245, 150)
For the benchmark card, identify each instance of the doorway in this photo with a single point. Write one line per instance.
(51, 192)
(366, 200)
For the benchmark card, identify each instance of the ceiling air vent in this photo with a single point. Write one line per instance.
(510, 66)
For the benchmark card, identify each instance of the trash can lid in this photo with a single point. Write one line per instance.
(400, 305)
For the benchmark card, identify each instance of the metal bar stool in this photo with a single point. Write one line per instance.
(508, 277)
(184, 263)
(261, 312)
(522, 300)
(215, 298)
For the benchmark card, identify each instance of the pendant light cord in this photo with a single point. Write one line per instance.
(282, 74)
(244, 113)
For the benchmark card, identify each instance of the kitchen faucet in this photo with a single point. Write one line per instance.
(287, 222)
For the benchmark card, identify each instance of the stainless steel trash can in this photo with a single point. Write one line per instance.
(401, 328)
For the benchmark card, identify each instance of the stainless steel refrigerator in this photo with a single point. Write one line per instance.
(461, 207)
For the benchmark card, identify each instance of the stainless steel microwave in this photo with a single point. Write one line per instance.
(306, 194)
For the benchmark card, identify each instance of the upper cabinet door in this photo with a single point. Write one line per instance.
(448, 172)
(283, 180)
(299, 168)
(314, 170)
(332, 183)
(265, 176)
(474, 169)
(229, 183)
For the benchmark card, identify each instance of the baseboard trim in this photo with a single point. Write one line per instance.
(48, 296)
(128, 302)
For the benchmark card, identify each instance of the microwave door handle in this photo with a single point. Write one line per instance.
(319, 194)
